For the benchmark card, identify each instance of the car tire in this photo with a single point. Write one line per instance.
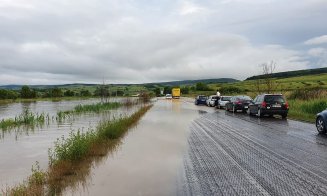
(284, 116)
(249, 112)
(320, 125)
(259, 114)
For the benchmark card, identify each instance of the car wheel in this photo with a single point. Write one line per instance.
(284, 116)
(249, 112)
(320, 125)
(259, 114)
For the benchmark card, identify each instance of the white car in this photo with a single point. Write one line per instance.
(211, 101)
(222, 101)
(169, 96)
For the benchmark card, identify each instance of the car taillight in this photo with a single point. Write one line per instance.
(264, 104)
(238, 102)
(286, 105)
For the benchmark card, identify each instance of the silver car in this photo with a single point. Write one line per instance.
(222, 101)
(211, 101)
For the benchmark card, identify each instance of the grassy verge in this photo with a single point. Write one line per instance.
(71, 158)
(306, 110)
(26, 118)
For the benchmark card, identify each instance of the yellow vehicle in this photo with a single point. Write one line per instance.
(176, 93)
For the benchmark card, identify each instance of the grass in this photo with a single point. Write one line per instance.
(71, 158)
(306, 110)
(96, 108)
(26, 118)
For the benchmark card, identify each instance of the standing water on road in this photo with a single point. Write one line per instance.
(151, 157)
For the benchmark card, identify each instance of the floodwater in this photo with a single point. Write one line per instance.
(21, 147)
(150, 159)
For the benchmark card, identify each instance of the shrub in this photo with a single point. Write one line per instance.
(230, 90)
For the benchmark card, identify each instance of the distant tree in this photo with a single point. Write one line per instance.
(167, 89)
(69, 93)
(185, 90)
(26, 92)
(228, 90)
(56, 92)
(8, 94)
(266, 83)
(202, 87)
(85, 93)
(157, 92)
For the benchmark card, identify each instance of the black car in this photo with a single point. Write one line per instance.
(200, 99)
(321, 122)
(240, 102)
(269, 104)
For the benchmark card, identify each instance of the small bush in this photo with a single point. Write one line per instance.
(230, 90)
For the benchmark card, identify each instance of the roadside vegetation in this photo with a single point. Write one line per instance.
(71, 158)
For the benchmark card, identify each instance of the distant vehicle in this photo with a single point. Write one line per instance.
(269, 104)
(222, 101)
(240, 102)
(321, 122)
(168, 96)
(212, 100)
(176, 93)
(200, 99)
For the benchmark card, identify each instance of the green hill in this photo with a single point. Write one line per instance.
(289, 74)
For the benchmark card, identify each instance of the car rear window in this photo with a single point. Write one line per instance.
(225, 98)
(274, 99)
(244, 98)
(202, 97)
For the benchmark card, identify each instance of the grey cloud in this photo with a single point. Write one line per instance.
(140, 41)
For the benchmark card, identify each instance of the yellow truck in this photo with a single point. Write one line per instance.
(176, 93)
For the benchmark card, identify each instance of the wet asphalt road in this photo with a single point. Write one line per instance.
(235, 154)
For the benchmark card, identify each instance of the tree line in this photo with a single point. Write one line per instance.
(29, 93)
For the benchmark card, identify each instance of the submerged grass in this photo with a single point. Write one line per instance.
(96, 108)
(71, 158)
(26, 118)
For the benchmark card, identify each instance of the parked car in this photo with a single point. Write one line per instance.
(321, 122)
(240, 102)
(169, 96)
(211, 101)
(222, 101)
(200, 99)
(269, 104)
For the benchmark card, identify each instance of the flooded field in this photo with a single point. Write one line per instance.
(22, 146)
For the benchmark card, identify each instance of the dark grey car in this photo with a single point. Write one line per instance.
(269, 104)
(321, 122)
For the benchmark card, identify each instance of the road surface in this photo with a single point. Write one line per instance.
(235, 154)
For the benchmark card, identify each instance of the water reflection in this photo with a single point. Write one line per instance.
(28, 144)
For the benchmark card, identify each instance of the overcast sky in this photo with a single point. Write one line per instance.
(138, 41)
